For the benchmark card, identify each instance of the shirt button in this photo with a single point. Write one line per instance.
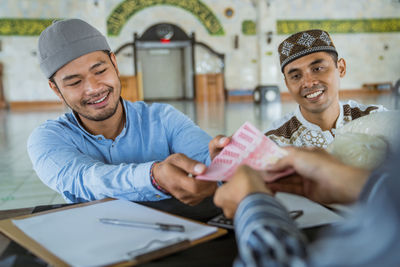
(112, 145)
(99, 138)
(158, 196)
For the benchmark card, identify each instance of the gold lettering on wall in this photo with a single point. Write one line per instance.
(129, 8)
(340, 26)
(20, 26)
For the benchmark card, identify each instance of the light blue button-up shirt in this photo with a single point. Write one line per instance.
(84, 167)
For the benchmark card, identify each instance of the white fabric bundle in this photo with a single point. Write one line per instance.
(364, 142)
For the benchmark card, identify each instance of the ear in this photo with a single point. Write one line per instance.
(284, 78)
(114, 62)
(287, 86)
(286, 82)
(53, 87)
(341, 67)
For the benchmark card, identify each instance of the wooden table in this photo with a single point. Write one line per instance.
(218, 252)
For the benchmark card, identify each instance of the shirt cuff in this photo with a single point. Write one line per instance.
(143, 183)
(154, 181)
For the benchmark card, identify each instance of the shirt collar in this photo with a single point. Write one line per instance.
(339, 121)
(305, 122)
(312, 126)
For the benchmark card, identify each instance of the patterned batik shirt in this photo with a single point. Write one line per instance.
(294, 129)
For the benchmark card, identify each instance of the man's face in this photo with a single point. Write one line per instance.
(314, 81)
(90, 85)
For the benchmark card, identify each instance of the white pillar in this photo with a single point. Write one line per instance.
(268, 64)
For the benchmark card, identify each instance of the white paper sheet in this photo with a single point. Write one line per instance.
(77, 237)
(314, 214)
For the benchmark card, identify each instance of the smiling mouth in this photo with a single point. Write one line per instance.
(314, 94)
(99, 100)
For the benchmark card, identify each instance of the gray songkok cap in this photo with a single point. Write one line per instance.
(66, 40)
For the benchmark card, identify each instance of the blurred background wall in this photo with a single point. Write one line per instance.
(366, 33)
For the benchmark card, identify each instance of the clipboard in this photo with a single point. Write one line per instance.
(13, 232)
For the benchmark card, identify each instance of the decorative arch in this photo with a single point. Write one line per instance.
(128, 8)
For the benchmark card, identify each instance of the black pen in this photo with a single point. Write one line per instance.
(157, 226)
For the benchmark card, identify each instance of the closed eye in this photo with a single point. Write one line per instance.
(101, 71)
(74, 84)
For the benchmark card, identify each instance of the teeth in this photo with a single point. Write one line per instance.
(314, 94)
(100, 100)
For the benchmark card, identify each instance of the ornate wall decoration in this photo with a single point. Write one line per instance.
(128, 8)
(249, 27)
(340, 26)
(20, 26)
(229, 12)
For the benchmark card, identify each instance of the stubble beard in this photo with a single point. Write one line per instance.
(104, 115)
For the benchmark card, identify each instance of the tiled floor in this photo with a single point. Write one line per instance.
(20, 187)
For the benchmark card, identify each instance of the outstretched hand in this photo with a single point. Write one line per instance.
(319, 176)
(244, 182)
(174, 175)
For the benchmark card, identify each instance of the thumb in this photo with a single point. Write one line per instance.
(283, 163)
(187, 164)
(220, 141)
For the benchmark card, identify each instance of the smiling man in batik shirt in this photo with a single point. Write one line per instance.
(312, 71)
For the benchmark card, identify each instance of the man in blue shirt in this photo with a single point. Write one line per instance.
(267, 236)
(109, 147)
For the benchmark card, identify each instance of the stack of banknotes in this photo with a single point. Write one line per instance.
(250, 147)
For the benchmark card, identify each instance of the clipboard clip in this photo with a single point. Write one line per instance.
(157, 248)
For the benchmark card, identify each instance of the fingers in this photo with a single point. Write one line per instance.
(281, 165)
(244, 182)
(293, 179)
(217, 144)
(285, 162)
(220, 141)
(223, 200)
(309, 162)
(227, 196)
(195, 194)
(186, 164)
(172, 175)
(190, 190)
(193, 188)
(287, 188)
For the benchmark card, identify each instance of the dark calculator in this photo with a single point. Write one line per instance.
(223, 222)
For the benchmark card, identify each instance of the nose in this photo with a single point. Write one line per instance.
(92, 85)
(308, 80)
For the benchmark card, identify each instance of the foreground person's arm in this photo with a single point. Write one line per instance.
(266, 235)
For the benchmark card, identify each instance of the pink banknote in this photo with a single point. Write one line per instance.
(248, 146)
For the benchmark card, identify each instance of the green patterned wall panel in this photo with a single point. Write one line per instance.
(128, 8)
(249, 27)
(17, 26)
(340, 26)
(32, 27)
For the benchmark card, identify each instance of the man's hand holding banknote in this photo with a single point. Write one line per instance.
(248, 146)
